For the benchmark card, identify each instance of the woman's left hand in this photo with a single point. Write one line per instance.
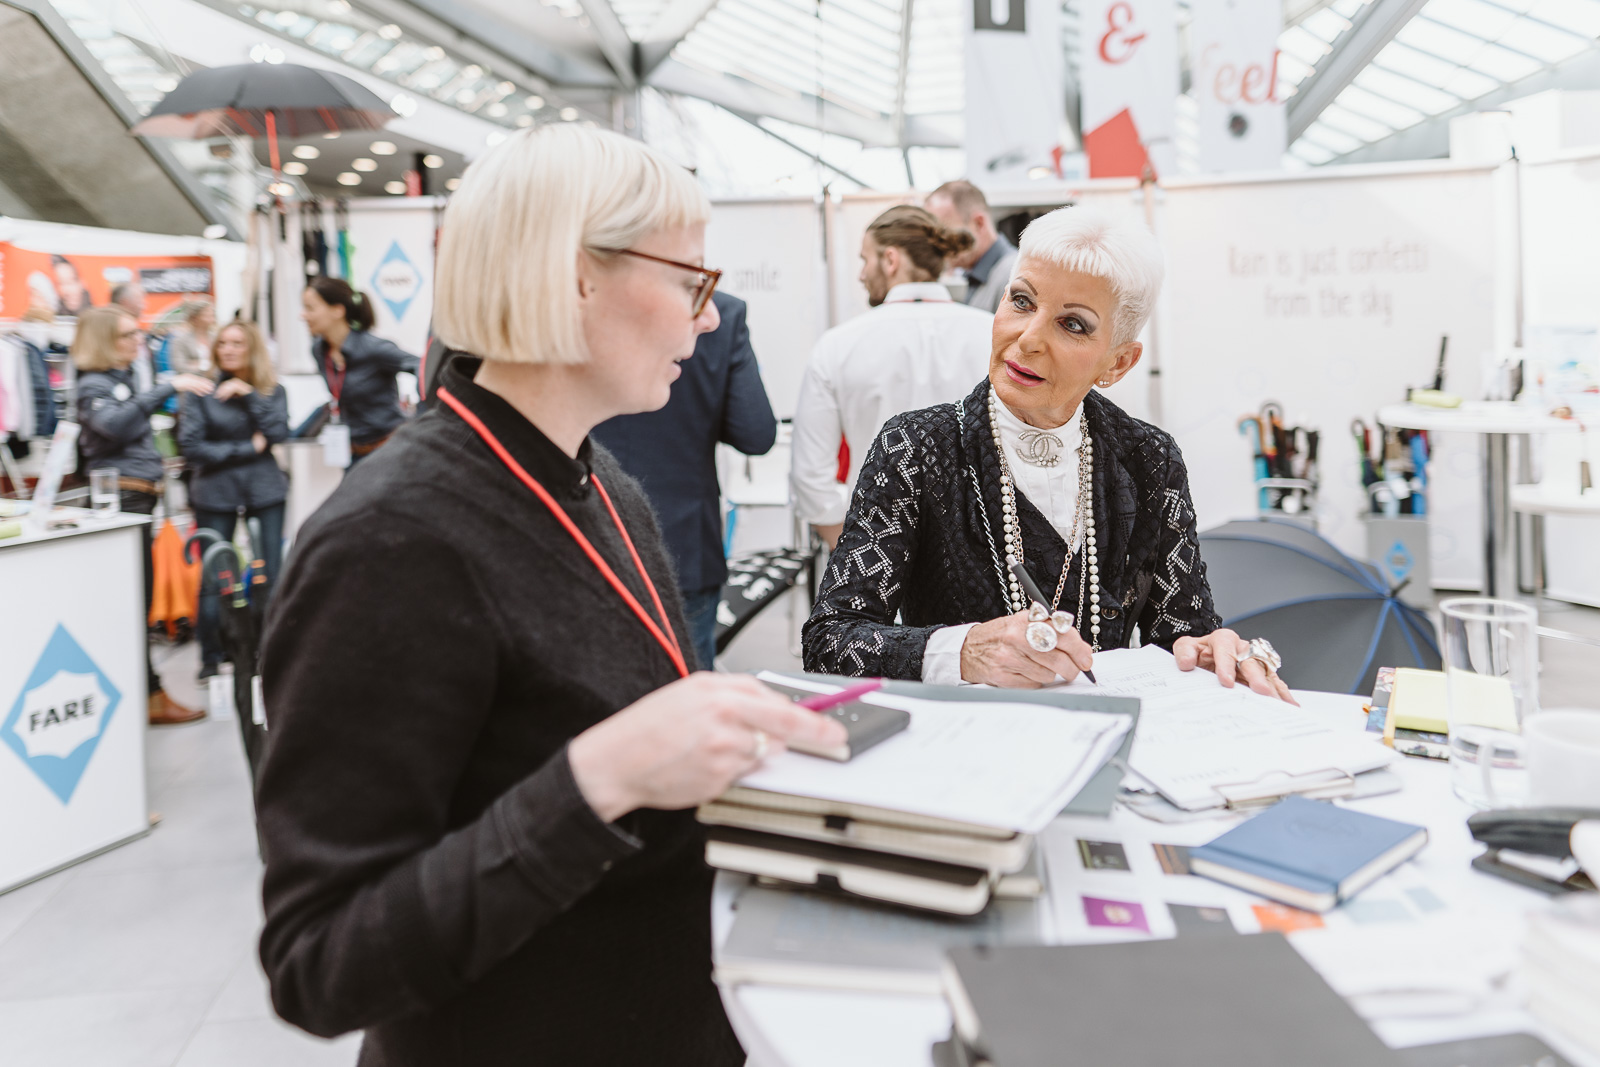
(1228, 654)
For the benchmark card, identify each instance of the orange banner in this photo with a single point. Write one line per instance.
(66, 284)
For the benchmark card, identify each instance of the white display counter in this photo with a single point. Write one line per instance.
(72, 695)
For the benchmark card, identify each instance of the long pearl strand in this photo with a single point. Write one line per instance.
(1089, 576)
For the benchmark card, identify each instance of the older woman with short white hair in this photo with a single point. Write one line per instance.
(1037, 467)
(483, 730)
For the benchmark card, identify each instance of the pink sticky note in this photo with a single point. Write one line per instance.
(1123, 913)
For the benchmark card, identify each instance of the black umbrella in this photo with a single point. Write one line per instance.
(265, 100)
(1333, 619)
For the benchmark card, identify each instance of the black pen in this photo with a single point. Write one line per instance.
(1035, 594)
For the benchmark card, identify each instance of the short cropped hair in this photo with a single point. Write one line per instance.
(967, 198)
(1091, 240)
(507, 274)
(94, 344)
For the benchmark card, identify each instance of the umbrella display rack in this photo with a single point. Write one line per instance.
(1287, 476)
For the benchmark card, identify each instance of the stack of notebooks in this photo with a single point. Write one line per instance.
(1240, 1001)
(939, 816)
(1561, 968)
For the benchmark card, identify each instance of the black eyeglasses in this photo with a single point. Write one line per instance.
(708, 278)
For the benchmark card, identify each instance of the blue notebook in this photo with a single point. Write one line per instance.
(1308, 853)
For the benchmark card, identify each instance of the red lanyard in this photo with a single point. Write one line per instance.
(335, 384)
(662, 633)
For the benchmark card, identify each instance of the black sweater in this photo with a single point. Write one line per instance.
(433, 874)
(116, 423)
(214, 436)
(369, 399)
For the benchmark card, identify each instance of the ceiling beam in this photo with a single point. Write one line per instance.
(467, 28)
(1430, 139)
(747, 98)
(613, 39)
(1352, 51)
(814, 157)
(672, 25)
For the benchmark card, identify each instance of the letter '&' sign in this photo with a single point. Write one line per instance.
(1120, 41)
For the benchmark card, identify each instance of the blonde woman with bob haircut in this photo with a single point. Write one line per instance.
(226, 439)
(115, 421)
(485, 743)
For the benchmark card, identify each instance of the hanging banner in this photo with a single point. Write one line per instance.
(1016, 97)
(1234, 56)
(1128, 70)
(66, 282)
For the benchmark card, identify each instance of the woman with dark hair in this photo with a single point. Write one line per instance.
(227, 439)
(358, 367)
(115, 421)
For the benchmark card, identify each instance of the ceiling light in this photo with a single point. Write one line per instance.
(331, 135)
(341, 42)
(381, 148)
(465, 96)
(391, 32)
(434, 54)
(297, 169)
(524, 120)
(287, 18)
(432, 162)
(349, 177)
(496, 110)
(394, 188)
(363, 164)
(568, 114)
(307, 151)
(403, 105)
(533, 103)
(338, 7)
(280, 189)
(472, 70)
(164, 84)
(453, 184)
(215, 232)
(506, 88)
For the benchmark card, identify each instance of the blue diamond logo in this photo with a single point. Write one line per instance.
(397, 280)
(1398, 561)
(57, 720)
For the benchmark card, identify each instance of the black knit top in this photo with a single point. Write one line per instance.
(433, 874)
(923, 541)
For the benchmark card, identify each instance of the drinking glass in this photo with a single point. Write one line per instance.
(104, 496)
(1491, 666)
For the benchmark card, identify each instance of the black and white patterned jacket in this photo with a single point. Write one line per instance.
(921, 544)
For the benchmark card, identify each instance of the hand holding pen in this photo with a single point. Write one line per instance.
(1045, 627)
(997, 652)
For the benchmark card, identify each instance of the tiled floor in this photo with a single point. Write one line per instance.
(145, 956)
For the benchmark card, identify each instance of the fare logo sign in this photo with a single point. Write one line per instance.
(56, 722)
(397, 280)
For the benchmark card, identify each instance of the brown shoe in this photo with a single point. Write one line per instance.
(164, 711)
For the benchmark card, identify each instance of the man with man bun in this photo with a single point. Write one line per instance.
(961, 205)
(915, 348)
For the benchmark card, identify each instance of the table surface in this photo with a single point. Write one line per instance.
(1482, 416)
(88, 523)
(778, 1025)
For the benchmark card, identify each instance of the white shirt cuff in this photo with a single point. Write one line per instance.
(941, 659)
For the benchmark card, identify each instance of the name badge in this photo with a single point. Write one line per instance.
(121, 392)
(335, 441)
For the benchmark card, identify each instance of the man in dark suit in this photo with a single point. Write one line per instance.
(718, 397)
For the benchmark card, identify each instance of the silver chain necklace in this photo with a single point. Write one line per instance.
(1082, 525)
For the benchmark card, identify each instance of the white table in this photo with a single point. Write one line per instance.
(784, 1027)
(72, 694)
(1496, 422)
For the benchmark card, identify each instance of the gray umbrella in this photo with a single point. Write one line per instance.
(1333, 619)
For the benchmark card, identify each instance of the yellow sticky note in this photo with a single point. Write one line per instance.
(1421, 701)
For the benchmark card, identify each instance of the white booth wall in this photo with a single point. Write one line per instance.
(1325, 290)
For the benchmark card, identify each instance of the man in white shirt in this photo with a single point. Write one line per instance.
(914, 349)
(961, 205)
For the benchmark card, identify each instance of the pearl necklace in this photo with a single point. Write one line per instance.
(1082, 525)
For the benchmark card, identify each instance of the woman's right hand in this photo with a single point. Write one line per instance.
(259, 442)
(997, 653)
(193, 383)
(687, 742)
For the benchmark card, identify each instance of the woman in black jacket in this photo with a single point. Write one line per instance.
(358, 367)
(485, 740)
(227, 438)
(115, 434)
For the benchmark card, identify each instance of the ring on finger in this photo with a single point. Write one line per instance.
(759, 753)
(1261, 650)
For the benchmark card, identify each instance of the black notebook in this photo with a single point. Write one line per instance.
(1230, 1002)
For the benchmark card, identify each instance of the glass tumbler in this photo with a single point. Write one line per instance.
(1491, 666)
(104, 496)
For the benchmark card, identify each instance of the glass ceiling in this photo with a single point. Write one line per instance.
(1451, 53)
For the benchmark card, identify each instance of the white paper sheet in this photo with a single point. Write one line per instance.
(1012, 766)
(1194, 735)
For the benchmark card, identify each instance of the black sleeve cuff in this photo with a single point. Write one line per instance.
(558, 842)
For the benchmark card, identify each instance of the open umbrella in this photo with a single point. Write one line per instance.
(1334, 619)
(264, 100)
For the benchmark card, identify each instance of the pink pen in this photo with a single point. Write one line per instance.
(824, 701)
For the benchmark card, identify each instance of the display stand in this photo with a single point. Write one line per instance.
(72, 695)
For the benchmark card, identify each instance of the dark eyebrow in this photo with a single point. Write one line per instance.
(1085, 307)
